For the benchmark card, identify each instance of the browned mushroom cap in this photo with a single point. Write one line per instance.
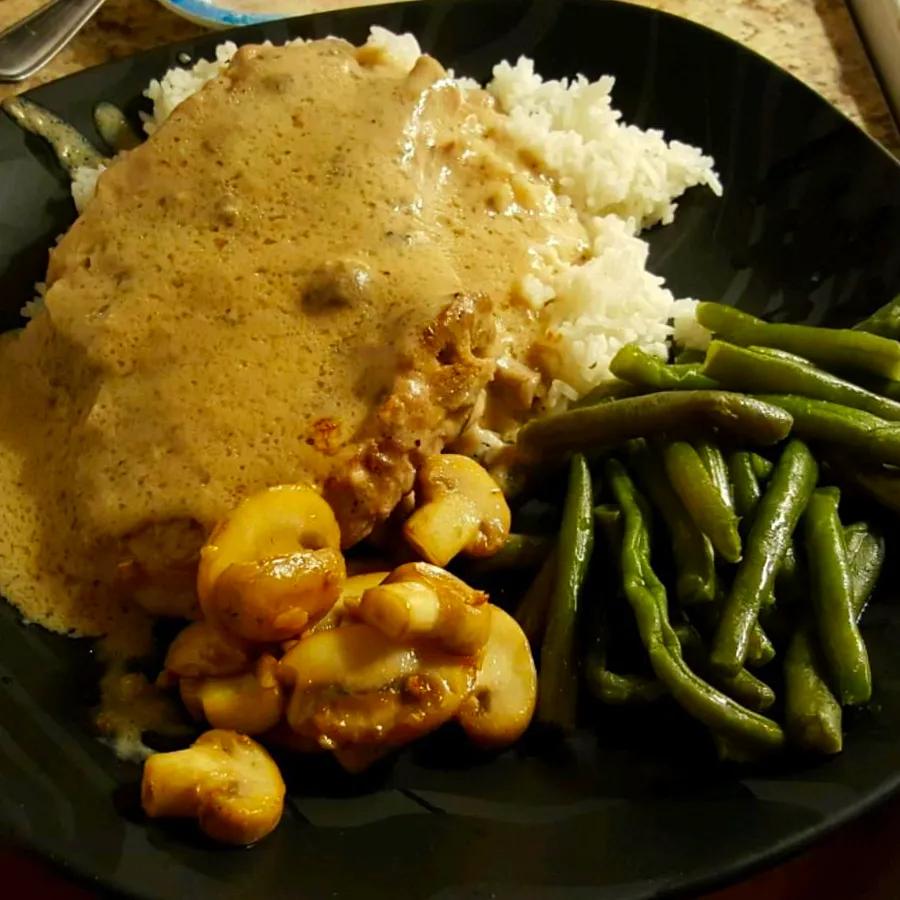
(273, 566)
(251, 703)
(354, 687)
(501, 705)
(462, 509)
(225, 780)
(204, 650)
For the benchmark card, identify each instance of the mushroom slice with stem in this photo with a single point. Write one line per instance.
(225, 780)
(462, 510)
(418, 601)
(354, 687)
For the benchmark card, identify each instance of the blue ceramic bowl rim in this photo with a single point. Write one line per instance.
(219, 15)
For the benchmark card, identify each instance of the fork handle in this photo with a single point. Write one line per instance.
(32, 42)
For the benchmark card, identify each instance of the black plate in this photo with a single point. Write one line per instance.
(808, 229)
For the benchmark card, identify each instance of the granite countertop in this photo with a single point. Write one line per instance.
(814, 39)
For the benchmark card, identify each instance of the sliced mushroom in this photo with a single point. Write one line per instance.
(203, 650)
(354, 687)
(275, 599)
(251, 703)
(462, 510)
(421, 601)
(502, 703)
(354, 587)
(273, 566)
(225, 780)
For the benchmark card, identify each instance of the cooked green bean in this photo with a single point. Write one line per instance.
(613, 389)
(558, 678)
(745, 485)
(852, 429)
(760, 649)
(779, 510)
(829, 347)
(884, 321)
(689, 355)
(762, 467)
(812, 715)
(613, 423)
(755, 371)
(521, 551)
(609, 520)
(531, 614)
(702, 499)
(643, 369)
(866, 563)
(695, 561)
(714, 463)
(842, 645)
(647, 598)
(747, 494)
(746, 688)
(615, 689)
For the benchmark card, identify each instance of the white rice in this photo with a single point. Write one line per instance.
(620, 178)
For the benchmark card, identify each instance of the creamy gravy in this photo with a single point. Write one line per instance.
(233, 304)
(72, 148)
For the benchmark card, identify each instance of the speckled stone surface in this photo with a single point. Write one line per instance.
(813, 39)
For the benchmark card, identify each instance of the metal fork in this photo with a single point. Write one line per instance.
(31, 43)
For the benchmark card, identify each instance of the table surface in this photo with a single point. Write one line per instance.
(813, 39)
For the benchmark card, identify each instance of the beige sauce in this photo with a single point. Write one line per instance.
(114, 128)
(235, 303)
(72, 148)
(130, 704)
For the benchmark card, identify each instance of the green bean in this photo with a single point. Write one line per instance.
(647, 598)
(790, 580)
(609, 520)
(865, 567)
(746, 688)
(614, 389)
(615, 689)
(884, 321)
(613, 423)
(714, 463)
(829, 347)
(756, 371)
(842, 645)
(695, 579)
(521, 551)
(689, 355)
(745, 485)
(762, 467)
(776, 517)
(812, 715)
(643, 369)
(558, 679)
(531, 613)
(760, 649)
(747, 494)
(702, 499)
(852, 429)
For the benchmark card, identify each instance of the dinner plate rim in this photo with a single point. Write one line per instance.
(718, 873)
